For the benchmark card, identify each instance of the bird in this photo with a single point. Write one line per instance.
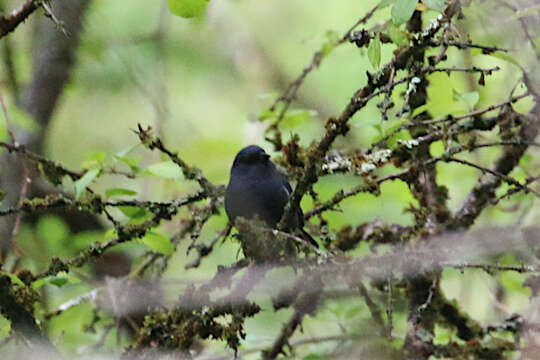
(257, 188)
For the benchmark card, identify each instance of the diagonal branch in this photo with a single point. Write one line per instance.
(339, 126)
(305, 304)
(22, 320)
(47, 164)
(9, 22)
(190, 172)
(290, 92)
(484, 190)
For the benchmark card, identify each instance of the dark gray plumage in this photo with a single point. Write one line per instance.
(256, 187)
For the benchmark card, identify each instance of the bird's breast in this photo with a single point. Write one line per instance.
(248, 196)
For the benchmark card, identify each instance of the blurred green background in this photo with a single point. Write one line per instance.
(201, 84)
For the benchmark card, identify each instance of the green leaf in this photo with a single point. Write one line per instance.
(110, 234)
(437, 149)
(402, 11)
(5, 327)
(166, 170)
(82, 183)
(398, 37)
(438, 5)
(374, 52)
(129, 161)
(391, 126)
(119, 192)
(187, 8)
(513, 282)
(442, 335)
(158, 243)
(126, 151)
(402, 135)
(386, 128)
(94, 160)
(134, 212)
(419, 110)
(58, 281)
(267, 114)
(332, 38)
(385, 3)
(14, 278)
(297, 116)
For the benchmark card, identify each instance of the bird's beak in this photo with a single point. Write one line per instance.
(266, 156)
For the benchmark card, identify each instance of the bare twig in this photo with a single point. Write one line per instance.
(290, 92)
(205, 250)
(464, 45)
(510, 180)
(9, 22)
(189, 172)
(491, 268)
(305, 304)
(46, 163)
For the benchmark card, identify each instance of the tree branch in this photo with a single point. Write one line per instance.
(9, 22)
(22, 320)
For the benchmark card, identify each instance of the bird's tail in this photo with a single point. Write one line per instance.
(307, 237)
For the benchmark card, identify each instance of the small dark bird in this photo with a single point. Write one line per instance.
(257, 188)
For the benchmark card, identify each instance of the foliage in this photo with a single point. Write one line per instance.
(416, 176)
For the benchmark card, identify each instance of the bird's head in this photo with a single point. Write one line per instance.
(251, 155)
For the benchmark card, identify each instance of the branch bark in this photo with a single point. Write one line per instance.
(483, 192)
(22, 320)
(16, 17)
(53, 61)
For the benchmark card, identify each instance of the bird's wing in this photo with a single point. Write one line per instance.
(289, 189)
(286, 185)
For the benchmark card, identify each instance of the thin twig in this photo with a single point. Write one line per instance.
(490, 268)
(9, 22)
(205, 250)
(372, 306)
(475, 112)
(464, 45)
(510, 180)
(389, 307)
(290, 92)
(190, 172)
(46, 163)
